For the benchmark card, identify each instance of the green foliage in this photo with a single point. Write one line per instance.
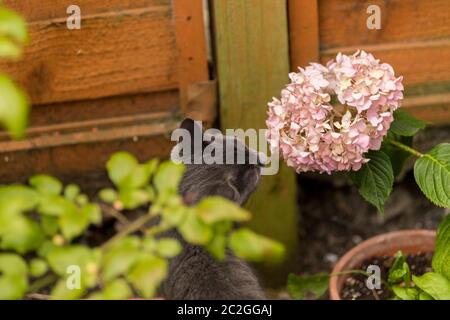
(46, 219)
(434, 284)
(405, 124)
(251, 246)
(299, 287)
(375, 179)
(399, 271)
(432, 173)
(441, 258)
(14, 105)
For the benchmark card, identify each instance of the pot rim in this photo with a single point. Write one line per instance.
(380, 241)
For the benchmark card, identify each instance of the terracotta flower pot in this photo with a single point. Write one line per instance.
(409, 241)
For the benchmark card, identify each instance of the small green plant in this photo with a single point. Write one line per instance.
(402, 283)
(14, 104)
(431, 170)
(41, 225)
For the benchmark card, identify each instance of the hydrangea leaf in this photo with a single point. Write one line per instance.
(375, 179)
(441, 258)
(434, 284)
(432, 174)
(405, 124)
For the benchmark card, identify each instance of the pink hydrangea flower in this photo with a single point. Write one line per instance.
(314, 135)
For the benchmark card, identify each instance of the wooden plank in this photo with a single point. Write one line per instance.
(343, 22)
(130, 51)
(34, 10)
(92, 131)
(253, 62)
(116, 106)
(78, 160)
(303, 32)
(418, 62)
(191, 45)
(434, 108)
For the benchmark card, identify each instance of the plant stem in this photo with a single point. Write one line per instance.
(130, 228)
(42, 283)
(406, 148)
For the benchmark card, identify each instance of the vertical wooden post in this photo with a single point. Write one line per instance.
(191, 45)
(303, 32)
(251, 39)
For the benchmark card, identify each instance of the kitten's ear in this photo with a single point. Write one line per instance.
(190, 125)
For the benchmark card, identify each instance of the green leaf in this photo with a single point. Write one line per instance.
(120, 257)
(425, 296)
(71, 192)
(194, 230)
(299, 286)
(441, 258)
(119, 166)
(9, 49)
(15, 199)
(14, 107)
(73, 223)
(46, 184)
(405, 293)
(168, 176)
(399, 271)
(375, 179)
(147, 274)
(405, 124)
(61, 291)
(432, 173)
(49, 225)
(215, 209)
(93, 211)
(217, 246)
(13, 276)
(13, 25)
(168, 248)
(38, 267)
(108, 195)
(248, 245)
(133, 198)
(21, 234)
(54, 205)
(117, 289)
(434, 284)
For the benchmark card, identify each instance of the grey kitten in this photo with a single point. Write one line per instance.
(195, 274)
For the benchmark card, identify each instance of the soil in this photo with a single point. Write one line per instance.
(355, 287)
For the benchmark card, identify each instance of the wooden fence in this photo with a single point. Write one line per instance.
(123, 81)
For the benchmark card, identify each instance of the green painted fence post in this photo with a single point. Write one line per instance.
(252, 59)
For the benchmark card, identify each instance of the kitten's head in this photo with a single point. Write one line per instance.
(235, 182)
